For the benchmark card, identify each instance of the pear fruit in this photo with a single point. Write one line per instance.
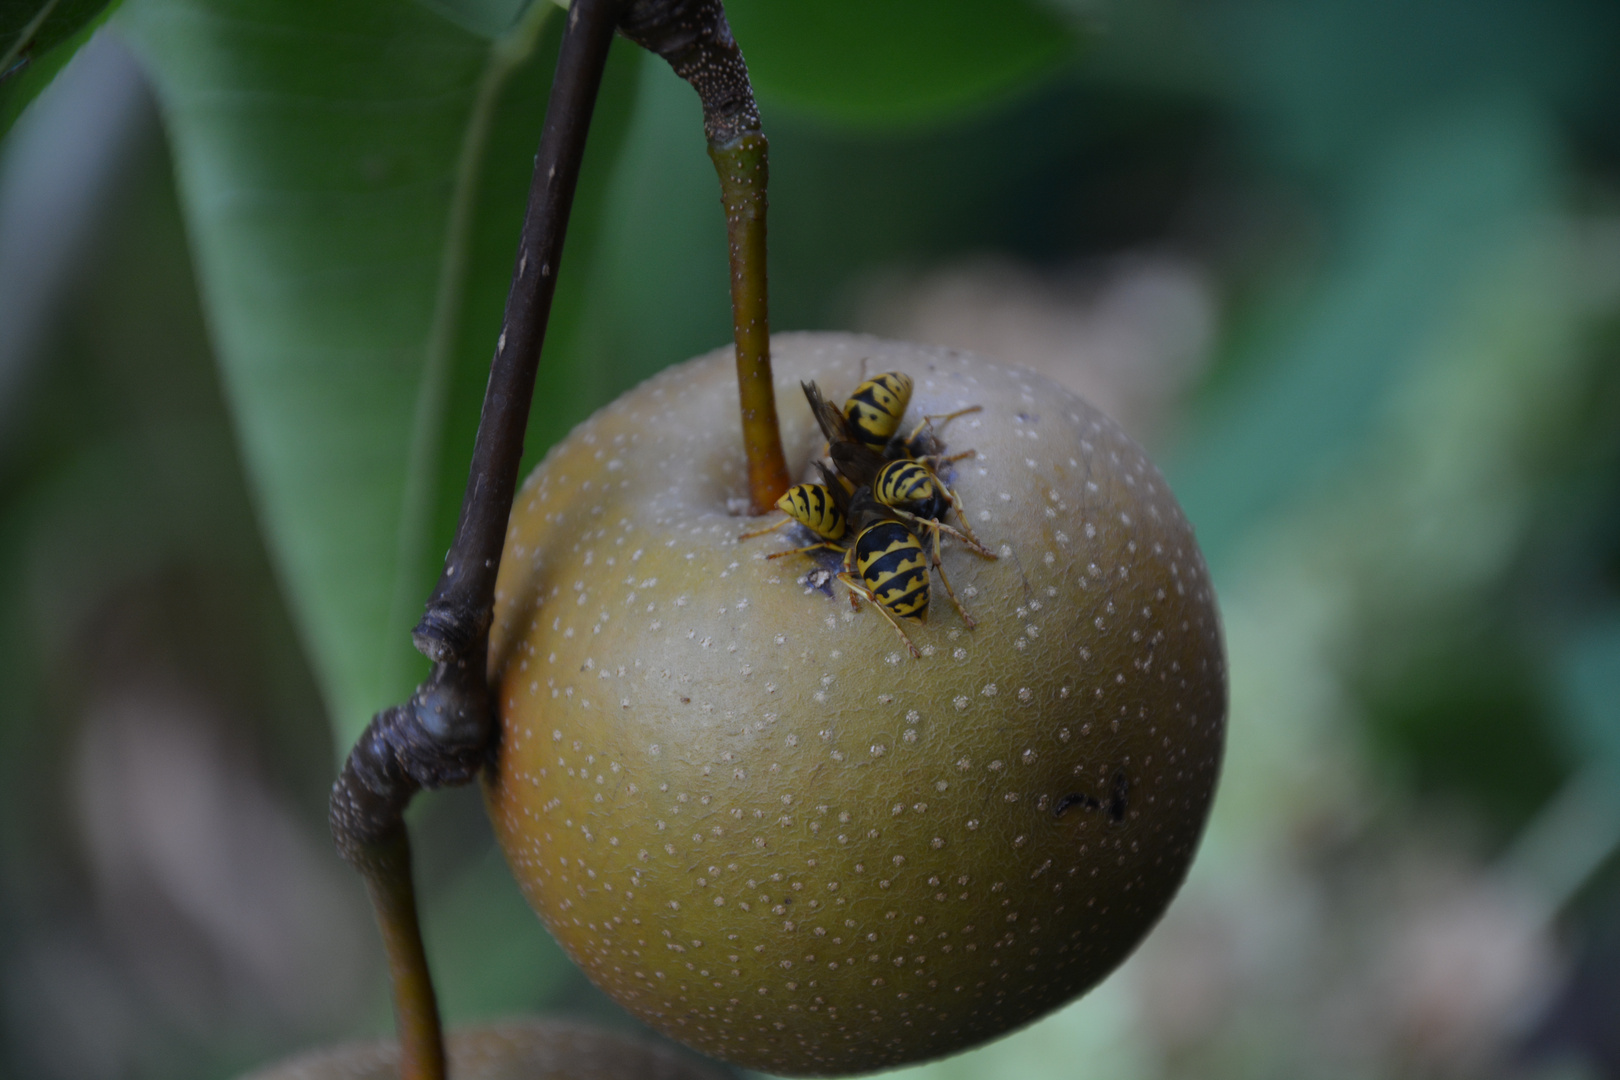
(516, 1050)
(753, 818)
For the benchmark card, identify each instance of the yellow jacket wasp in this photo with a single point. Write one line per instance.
(879, 502)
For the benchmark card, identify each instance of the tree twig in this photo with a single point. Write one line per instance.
(442, 735)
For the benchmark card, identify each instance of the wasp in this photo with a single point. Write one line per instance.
(910, 487)
(854, 458)
(875, 409)
(821, 508)
(889, 567)
(914, 490)
(885, 563)
(874, 412)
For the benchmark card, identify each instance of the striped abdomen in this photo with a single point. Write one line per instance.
(812, 506)
(875, 408)
(891, 563)
(908, 485)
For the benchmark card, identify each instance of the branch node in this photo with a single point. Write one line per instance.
(694, 37)
(440, 737)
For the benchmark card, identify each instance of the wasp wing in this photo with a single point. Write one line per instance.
(853, 458)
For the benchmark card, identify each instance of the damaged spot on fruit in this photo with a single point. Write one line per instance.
(1115, 807)
(1083, 801)
(1119, 797)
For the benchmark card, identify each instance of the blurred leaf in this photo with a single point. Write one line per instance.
(1326, 81)
(37, 39)
(489, 954)
(1589, 673)
(1442, 198)
(31, 28)
(352, 176)
(1464, 718)
(486, 18)
(898, 62)
(660, 292)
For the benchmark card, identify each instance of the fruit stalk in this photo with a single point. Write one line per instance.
(695, 38)
(743, 168)
(437, 738)
(416, 1009)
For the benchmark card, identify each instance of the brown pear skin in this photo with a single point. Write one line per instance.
(515, 1050)
(753, 818)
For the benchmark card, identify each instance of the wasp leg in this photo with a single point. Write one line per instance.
(762, 532)
(966, 532)
(936, 528)
(848, 572)
(943, 418)
(856, 587)
(825, 545)
(939, 526)
(961, 515)
(971, 541)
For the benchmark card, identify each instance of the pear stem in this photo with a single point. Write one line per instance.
(695, 38)
(743, 168)
(416, 1010)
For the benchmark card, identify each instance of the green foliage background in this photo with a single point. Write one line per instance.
(242, 445)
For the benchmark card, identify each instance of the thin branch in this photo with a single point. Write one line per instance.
(416, 1009)
(442, 736)
(459, 610)
(510, 53)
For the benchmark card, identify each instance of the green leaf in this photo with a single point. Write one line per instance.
(30, 28)
(1589, 680)
(898, 62)
(353, 176)
(486, 18)
(37, 39)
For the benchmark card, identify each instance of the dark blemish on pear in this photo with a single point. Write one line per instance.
(1119, 798)
(1118, 805)
(1085, 802)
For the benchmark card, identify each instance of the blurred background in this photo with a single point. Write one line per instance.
(1350, 271)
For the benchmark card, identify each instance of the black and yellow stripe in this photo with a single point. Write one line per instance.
(876, 407)
(813, 506)
(912, 486)
(893, 567)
